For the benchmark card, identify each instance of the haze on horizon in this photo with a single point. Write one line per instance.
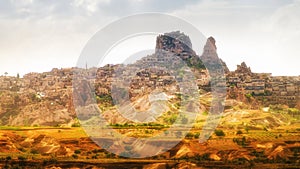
(37, 36)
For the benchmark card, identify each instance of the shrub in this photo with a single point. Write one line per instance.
(239, 132)
(109, 155)
(96, 151)
(75, 156)
(8, 158)
(196, 135)
(21, 158)
(219, 133)
(240, 141)
(171, 119)
(189, 135)
(34, 151)
(75, 125)
(77, 151)
(95, 157)
(51, 160)
(205, 113)
(248, 95)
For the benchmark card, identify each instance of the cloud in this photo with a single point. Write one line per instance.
(40, 35)
(283, 27)
(251, 31)
(127, 7)
(36, 9)
(43, 34)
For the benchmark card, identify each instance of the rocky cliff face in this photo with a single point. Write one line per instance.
(210, 55)
(180, 45)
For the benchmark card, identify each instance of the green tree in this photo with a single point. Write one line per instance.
(197, 135)
(219, 133)
(239, 132)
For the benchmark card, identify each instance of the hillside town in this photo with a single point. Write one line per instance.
(41, 94)
(268, 89)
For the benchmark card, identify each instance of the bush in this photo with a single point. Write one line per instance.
(51, 160)
(34, 151)
(189, 135)
(248, 95)
(21, 158)
(75, 125)
(8, 158)
(205, 113)
(239, 132)
(219, 133)
(75, 156)
(203, 157)
(77, 151)
(171, 119)
(96, 151)
(197, 135)
(95, 156)
(109, 155)
(240, 141)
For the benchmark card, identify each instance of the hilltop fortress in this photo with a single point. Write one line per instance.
(49, 94)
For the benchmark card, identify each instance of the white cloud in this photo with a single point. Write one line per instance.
(39, 35)
(39, 42)
(261, 34)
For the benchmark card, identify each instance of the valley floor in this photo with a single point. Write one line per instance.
(46, 147)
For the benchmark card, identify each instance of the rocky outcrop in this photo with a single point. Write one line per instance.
(179, 45)
(210, 55)
(243, 69)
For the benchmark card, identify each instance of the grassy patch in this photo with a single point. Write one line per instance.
(9, 128)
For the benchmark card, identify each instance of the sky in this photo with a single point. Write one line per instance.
(38, 35)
